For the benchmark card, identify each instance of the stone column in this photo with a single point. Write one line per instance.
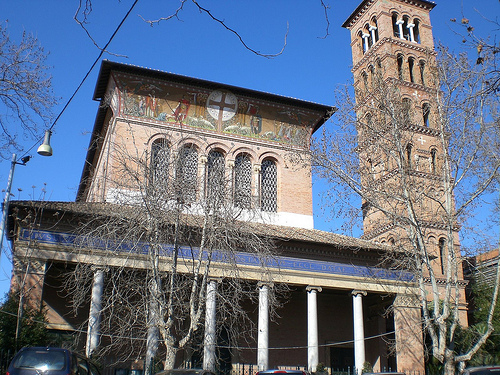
(359, 332)
(263, 328)
(365, 41)
(372, 32)
(95, 313)
(209, 355)
(312, 328)
(410, 27)
(400, 27)
(408, 332)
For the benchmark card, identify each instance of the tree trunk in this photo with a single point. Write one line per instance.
(170, 357)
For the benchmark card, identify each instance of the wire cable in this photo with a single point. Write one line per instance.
(86, 75)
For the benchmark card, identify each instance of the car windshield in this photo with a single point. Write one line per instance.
(41, 360)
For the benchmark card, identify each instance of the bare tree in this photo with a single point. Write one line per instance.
(371, 154)
(25, 91)
(161, 243)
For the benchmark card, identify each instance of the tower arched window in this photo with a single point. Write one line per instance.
(411, 65)
(371, 70)
(242, 181)
(406, 29)
(365, 80)
(406, 111)
(215, 181)
(400, 61)
(409, 148)
(368, 34)
(160, 154)
(442, 253)
(416, 31)
(269, 186)
(361, 42)
(187, 174)
(422, 72)
(426, 110)
(433, 160)
(373, 28)
(395, 25)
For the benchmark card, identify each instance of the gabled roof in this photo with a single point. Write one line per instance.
(311, 236)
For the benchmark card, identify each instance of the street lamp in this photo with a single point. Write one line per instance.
(46, 150)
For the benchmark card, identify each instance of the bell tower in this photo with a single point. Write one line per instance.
(397, 126)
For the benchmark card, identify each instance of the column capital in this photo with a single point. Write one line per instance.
(203, 159)
(260, 284)
(364, 36)
(311, 288)
(230, 163)
(355, 292)
(372, 28)
(257, 168)
(400, 22)
(214, 278)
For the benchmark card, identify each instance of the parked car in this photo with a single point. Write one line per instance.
(276, 371)
(185, 371)
(50, 361)
(482, 370)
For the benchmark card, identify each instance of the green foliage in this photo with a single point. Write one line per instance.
(33, 331)
(367, 367)
(480, 301)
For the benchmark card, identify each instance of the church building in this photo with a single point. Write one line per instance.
(171, 153)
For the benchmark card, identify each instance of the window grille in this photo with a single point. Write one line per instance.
(187, 174)
(268, 186)
(159, 167)
(242, 181)
(215, 175)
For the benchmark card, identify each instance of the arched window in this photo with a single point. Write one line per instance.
(416, 31)
(365, 80)
(379, 73)
(242, 181)
(426, 110)
(368, 35)
(395, 25)
(408, 154)
(406, 29)
(159, 167)
(187, 174)
(400, 66)
(269, 186)
(373, 30)
(433, 160)
(216, 168)
(361, 42)
(371, 70)
(406, 111)
(442, 253)
(422, 72)
(411, 64)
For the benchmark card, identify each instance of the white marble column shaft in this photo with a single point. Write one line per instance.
(209, 355)
(263, 329)
(95, 313)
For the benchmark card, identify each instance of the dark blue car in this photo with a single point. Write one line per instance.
(50, 361)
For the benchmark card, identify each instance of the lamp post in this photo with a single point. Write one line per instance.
(5, 205)
(45, 150)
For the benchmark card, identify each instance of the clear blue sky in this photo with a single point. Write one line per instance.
(195, 46)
